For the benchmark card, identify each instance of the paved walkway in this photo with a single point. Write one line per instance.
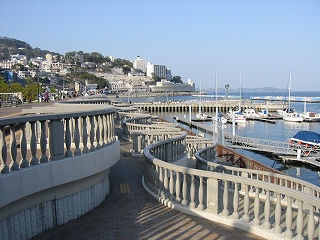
(130, 213)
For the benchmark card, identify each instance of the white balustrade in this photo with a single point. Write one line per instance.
(271, 205)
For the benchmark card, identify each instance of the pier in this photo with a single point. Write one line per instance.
(286, 151)
(206, 106)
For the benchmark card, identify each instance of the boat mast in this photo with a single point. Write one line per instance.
(289, 88)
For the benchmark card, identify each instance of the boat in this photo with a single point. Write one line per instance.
(250, 113)
(238, 117)
(307, 139)
(264, 114)
(290, 114)
(200, 115)
(310, 116)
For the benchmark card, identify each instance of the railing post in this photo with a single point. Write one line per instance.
(169, 152)
(56, 139)
(213, 191)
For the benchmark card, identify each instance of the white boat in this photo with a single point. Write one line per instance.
(264, 114)
(310, 116)
(238, 117)
(250, 113)
(290, 114)
(202, 116)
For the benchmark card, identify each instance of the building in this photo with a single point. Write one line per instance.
(167, 86)
(139, 63)
(157, 70)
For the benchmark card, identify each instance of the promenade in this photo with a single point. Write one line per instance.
(130, 213)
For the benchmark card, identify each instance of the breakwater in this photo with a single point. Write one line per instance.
(206, 106)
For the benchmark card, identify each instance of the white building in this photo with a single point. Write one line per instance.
(158, 70)
(140, 63)
(167, 86)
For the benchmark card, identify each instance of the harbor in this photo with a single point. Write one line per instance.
(274, 130)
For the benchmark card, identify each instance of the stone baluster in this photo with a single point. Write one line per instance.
(256, 220)
(192, 204)
(91, 134)
(311, 223)
(3, 156)
(33, 145)
(277, 229)
(235, 214)
(23, 147)
(103, 132)
(225, 211)
(67, 138)
(108, 129)
(112, 127)
(299, 220)
(98, 132)
(178, 188)
(76, 135)
(245, 216)
(43, 142)
(288, 233)
(266, 224)
(184, 190)
(13, 148)
(85, 148)
(171, 186)
(201, 195)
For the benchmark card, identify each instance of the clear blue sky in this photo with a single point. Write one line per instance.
(263, 40)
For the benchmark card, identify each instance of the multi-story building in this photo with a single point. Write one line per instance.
(157, 70)
(140, 63)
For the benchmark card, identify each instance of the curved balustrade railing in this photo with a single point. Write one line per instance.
(41, 138)
(141, 123)
(204, 160)
(141, 139)
(261, 207)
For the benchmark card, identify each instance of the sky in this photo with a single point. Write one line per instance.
(203, 40)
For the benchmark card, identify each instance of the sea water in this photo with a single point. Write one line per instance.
(281, 131)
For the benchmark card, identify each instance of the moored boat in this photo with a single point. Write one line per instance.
(307, 139)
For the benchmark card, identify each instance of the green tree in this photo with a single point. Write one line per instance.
(177, 79)
(155, 77)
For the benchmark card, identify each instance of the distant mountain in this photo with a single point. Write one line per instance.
(13, 46)
(263, 89)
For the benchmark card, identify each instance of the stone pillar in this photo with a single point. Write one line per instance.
(213, 191)
(56, 139)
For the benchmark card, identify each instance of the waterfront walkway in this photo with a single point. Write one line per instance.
(130, 213)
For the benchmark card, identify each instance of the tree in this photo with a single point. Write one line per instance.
(177, 79)
(155, 77)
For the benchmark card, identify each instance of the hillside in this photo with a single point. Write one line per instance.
(13, 46)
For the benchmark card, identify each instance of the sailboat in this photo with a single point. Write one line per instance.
(237, 115)
(290, 114)
(200, 115)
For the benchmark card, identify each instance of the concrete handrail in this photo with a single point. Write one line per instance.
(218, 196)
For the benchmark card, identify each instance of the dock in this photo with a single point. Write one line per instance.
(284, 150)
(312, 161)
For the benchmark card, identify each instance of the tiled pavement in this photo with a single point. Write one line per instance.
(130, 213)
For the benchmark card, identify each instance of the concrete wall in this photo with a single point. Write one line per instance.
(40, 197)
